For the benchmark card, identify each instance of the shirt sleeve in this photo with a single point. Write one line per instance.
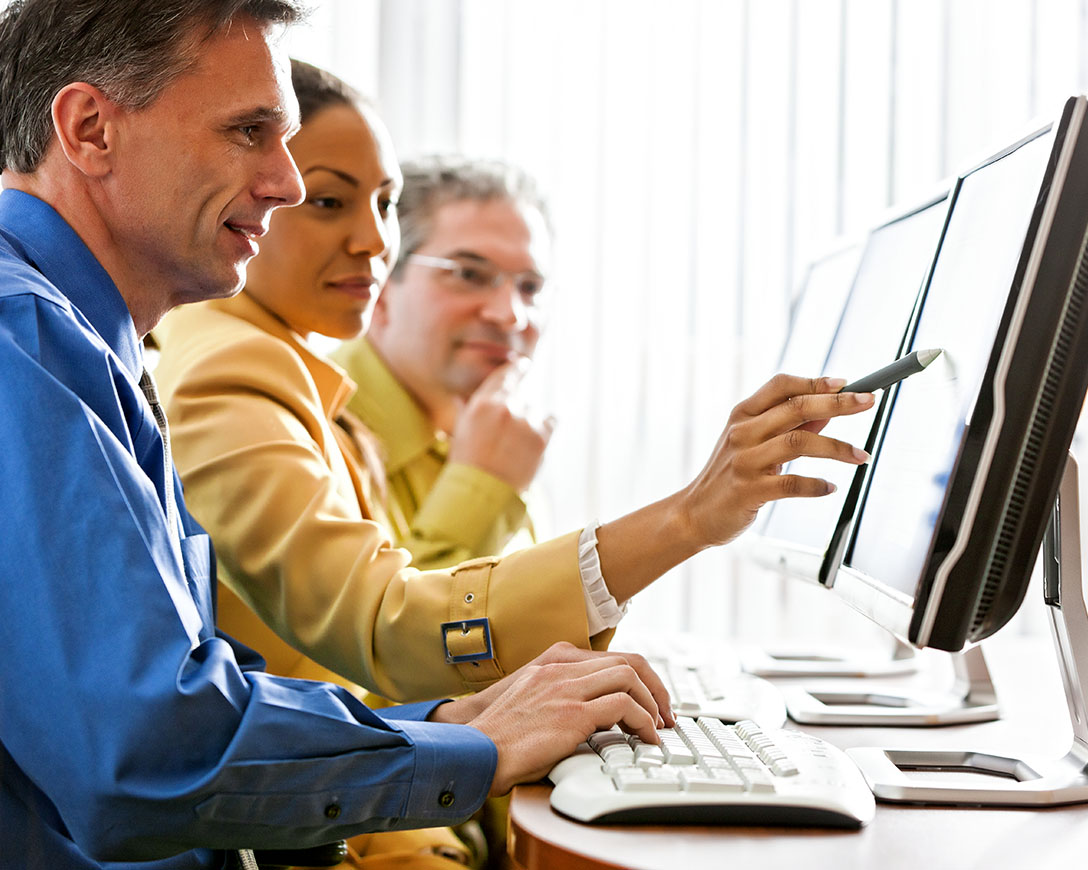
(263, 474)
(602, 611)
(466, 514)
(125, 718)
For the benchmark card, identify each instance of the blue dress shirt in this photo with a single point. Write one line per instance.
(130, 730)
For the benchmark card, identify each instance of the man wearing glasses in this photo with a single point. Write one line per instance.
(439, 371)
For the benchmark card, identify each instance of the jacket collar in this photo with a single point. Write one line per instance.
(334, 387)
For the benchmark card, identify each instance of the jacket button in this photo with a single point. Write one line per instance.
(332, 811)
(445, 799)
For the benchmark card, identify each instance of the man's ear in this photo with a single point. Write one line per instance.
(84, 121)
(380, 318)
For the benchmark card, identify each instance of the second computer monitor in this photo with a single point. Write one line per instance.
(798, 534)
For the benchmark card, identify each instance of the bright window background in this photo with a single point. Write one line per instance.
(697, 154)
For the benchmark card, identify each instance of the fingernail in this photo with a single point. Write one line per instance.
(861, 456)
(830, 487)
(865, 398)
(836, 384)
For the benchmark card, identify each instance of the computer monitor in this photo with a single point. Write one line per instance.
(970, 456)
(969, 465)
(988, 477)
(802, 536)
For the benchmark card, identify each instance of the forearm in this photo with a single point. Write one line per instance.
(639, 547)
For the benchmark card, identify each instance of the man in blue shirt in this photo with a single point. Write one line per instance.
(143, 145)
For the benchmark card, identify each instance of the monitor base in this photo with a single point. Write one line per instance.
(972, 699)
(1002, 781)
(1014, 782)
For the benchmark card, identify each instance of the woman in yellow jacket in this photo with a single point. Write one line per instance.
(282, 477)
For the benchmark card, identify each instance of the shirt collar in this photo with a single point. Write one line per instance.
(57, 251)
(334, 387)
(387, 408)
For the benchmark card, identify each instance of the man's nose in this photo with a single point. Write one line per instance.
(505, 306)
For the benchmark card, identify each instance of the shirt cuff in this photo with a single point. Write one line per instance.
(602, 611)
(463, 505)
(454, 767)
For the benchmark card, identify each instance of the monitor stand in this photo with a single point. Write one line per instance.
(971, 698)
(820, 661)
(1015, 781)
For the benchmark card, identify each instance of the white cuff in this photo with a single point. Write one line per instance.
(601, 609)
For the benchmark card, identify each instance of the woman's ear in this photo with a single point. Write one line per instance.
(84, 121)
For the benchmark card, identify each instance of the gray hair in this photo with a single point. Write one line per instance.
(130, 49)
(432, 182)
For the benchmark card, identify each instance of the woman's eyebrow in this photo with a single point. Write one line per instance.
(339, 173)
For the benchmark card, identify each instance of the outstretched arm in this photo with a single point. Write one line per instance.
(778, 423)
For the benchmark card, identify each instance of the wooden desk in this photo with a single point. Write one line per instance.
(901, 837)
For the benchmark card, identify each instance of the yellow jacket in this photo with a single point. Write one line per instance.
(441, 512)
(262, 441)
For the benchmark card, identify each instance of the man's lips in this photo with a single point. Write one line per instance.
(253, 232)
(495, 349)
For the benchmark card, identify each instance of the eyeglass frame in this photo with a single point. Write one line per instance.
(500, 277)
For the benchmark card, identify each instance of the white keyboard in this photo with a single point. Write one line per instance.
(699, 689)
(705, 681)
(707, 772)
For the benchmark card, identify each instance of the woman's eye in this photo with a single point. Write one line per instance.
(325, 202)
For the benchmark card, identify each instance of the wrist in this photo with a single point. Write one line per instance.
(680, 524)
(447, 713)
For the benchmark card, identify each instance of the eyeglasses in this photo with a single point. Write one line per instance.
(478, 275)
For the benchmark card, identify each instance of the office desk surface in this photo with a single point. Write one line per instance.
(1035, 722)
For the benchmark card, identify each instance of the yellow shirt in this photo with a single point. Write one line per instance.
(262, 441)
(441, 512)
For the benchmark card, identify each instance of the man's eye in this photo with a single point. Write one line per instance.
(530, 286)
(249, 131)
(475, 275)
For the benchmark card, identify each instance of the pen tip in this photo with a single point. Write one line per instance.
(925, 357)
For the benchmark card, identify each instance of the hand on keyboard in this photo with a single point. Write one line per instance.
(544, 710)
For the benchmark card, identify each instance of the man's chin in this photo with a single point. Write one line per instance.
(463, 381)
(212, 289)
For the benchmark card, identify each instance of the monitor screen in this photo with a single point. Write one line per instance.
(817, 311)
(870, 333)
(943, 532)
